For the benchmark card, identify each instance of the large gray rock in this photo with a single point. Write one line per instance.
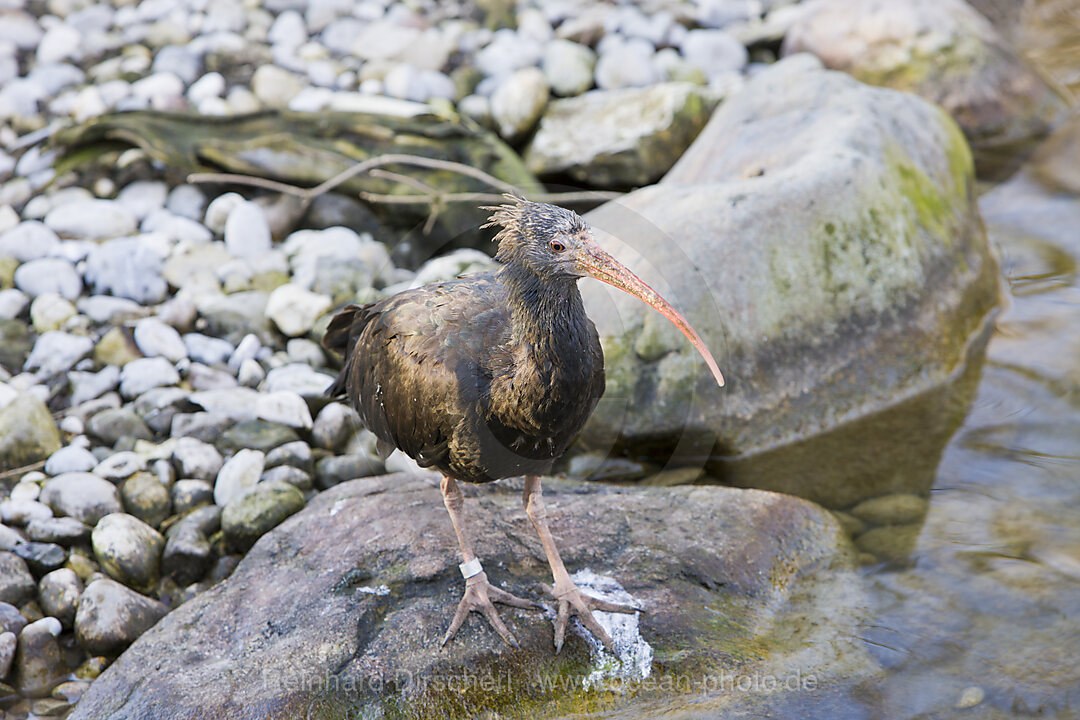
(358, 588)
(618, 138)
(822, 236)
(28, 432)
(946, 52)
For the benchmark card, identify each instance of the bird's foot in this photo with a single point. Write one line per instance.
(479, 596)
(573, 602)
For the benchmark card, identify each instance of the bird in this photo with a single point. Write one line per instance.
(491, 376)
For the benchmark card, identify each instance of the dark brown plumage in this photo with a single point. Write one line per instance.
(492, 375)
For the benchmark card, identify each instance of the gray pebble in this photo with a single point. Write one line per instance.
(59, 594)
(49, 275)
(82, 496)
(62, 531)
(189, 494)
(91, 219)
(57, 352)
(110, 616)
(109, 426)
(144, 374)
(70, 459)
(120, 466)
(154, 338)
(209, 350)
(16, 583)
(86, 386)
(126, 268)
(128, 549)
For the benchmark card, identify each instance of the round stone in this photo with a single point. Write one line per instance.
(128, 549)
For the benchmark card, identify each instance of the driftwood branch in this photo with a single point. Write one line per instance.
(428, 195)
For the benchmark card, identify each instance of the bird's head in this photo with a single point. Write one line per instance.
(555, 243)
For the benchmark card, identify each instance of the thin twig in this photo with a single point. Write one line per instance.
(431, 196)
(22, 470)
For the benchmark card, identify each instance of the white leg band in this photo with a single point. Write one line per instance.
(471, 568)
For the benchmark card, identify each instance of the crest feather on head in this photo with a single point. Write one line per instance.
(507, 216)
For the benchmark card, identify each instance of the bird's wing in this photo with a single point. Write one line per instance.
(413, 362)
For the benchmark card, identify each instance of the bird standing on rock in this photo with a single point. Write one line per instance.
(491, 376)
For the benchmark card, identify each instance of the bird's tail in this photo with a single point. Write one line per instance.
(340, 338)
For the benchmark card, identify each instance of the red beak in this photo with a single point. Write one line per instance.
(597, 263)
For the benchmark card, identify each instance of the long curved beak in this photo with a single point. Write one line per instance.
(597, 263)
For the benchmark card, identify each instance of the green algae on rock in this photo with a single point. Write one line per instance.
(338, 612)
(823, 238)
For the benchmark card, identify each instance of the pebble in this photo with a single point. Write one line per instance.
(108, 309)
(62, 531)
(110, 616)
(247, 232)
(128, 549)
(301, 379)
(70, 459)
(20, 512)
(59, 593)
(8, 642)
(11, 620)
(86, 386)
(275, 86)
(154, 338)
(284, 407)
(208, 350)
(144, 374)
(12, 303)
(16, 583)
(294, 454)
(41, 557)
(568, 67)
(49, 311)
(39, 664)
(714, 51)
(287, 474)
(91, 219)
(141, 198)
(49, 275)
(146, 498)
(237, 475)
(57, 352)
(29, 240)
(189, 494)
(518, 102)
(627, 64)
(334, 425)
(120, 466)
(81, 496)
(294, 309)
(248, 517)
(128, 269)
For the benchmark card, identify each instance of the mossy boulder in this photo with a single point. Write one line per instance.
(618, 138)
(822, 236)
(339, 611)
(28, 432)
(944, 51)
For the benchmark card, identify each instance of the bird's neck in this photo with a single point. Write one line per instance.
(546, 313)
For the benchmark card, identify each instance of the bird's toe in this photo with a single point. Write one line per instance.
(479, 596)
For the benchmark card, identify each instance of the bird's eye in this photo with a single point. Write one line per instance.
(557, 246)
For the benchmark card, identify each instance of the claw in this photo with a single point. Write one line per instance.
(573, 601)
(479, 596)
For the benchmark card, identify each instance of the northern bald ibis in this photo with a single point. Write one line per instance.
(491, 376)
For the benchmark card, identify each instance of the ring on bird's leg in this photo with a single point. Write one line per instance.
(479, 596)
(470, 568)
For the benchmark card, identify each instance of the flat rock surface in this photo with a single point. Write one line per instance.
(341, 608)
